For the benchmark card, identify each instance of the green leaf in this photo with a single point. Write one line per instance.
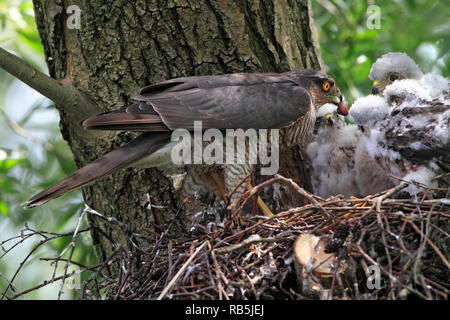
(8, 164)
(4, 209)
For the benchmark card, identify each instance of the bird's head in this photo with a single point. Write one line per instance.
(407, 90)
(391, 67)
(366, 111)
(324, 90)
(327, 115)
(327, 118)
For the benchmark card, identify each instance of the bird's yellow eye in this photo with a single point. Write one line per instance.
(393, 77)
(326, 85)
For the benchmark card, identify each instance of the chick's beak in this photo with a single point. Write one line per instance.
(376, 87)
(329, 118)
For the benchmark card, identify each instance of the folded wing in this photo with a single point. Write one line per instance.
(223, 102)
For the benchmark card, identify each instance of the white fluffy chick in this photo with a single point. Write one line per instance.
(340, 163)
(394, 66)
(406, 133)
(367, 111)
(420, 130)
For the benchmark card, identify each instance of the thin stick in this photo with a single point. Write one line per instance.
(439, 253)
(304, 193)
(72, 245)
(250, 241)
(181, 271)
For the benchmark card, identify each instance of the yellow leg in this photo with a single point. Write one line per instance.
(261, 203)
(357, 205)
(219, 182)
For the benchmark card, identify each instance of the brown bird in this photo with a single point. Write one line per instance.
(256, 100)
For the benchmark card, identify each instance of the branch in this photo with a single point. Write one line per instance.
(67, 97)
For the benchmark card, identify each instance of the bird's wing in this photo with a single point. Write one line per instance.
(420, 133)
(223, 102)
(136, 117)
(125, 156)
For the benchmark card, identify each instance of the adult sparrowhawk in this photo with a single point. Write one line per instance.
(256, 100)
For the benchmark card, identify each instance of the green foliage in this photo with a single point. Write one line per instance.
(417, 27)
(18, 31)
(33, 156)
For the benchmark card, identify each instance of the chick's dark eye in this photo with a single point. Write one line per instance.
(393, 77)
(397, 100)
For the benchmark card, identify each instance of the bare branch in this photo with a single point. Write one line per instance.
(67, 97)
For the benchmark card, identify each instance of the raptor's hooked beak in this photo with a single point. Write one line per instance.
(341, 104)
(376, 87)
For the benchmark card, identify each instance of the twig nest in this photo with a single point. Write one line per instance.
(309, 251)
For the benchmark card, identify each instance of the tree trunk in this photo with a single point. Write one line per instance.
(124, 45)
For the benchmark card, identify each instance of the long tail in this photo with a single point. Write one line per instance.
(135, 150)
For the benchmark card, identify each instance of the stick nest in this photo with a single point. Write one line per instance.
(382, 248)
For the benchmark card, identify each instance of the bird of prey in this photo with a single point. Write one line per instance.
(395, 66)
(256, 100)
(339, 160)
(407, 134)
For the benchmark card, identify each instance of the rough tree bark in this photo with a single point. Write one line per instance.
(124, 45)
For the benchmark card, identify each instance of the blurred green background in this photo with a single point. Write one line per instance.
(34, 156)
(420, 28)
